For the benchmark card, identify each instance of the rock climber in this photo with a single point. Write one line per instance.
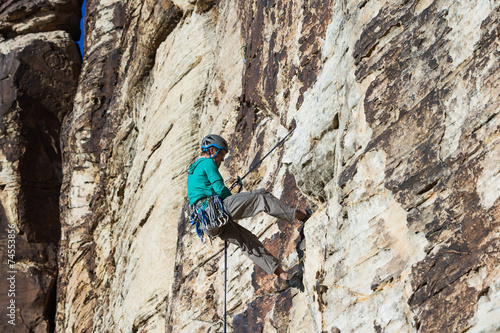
(206, 188)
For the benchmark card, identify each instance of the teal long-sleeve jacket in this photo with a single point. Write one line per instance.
(205, 180)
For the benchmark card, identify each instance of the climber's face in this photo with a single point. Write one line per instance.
(219, 158)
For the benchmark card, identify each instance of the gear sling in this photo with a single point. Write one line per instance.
(213, 216)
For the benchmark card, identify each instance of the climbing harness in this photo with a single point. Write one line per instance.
(240, 179)
(213, 216)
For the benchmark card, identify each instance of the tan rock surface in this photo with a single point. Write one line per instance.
(396, 147)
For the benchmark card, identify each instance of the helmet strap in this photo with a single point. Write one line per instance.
(212, 157)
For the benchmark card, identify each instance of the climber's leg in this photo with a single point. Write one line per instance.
(248, 204)
(250, 245)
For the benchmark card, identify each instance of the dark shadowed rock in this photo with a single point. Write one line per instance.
(39, 74)
(21, 17)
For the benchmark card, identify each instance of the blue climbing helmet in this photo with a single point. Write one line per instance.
(214, 140)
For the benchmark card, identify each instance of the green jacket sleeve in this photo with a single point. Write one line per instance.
(216, 181)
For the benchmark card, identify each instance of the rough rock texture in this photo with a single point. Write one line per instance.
(21, 17)
(38, 78)
(396, 147)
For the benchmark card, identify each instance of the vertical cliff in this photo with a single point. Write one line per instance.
(396, 148)
(39, 69)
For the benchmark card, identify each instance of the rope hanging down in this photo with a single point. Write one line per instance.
(225, 284)
(239, 182)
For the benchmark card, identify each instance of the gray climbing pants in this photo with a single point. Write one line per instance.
(248, 204)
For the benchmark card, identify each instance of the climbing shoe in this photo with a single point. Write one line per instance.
(293, 281)
(280, 286)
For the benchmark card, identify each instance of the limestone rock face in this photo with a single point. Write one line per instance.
(38, 79)
(396, 147)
